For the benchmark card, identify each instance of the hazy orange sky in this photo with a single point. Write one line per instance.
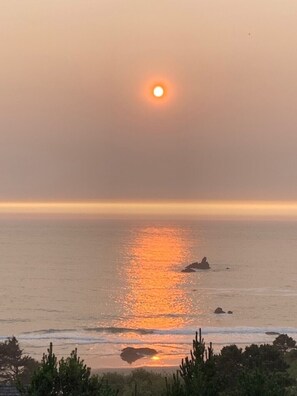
(78, 123)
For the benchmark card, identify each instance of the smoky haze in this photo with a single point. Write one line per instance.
(77, 121)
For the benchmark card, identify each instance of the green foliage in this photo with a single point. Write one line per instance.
(259, 370)
(175, 387)
(291, 359)
(139, 382)
(117, 382)
(69, 377)
(284, 343)
(229, 365)
(256, 382)
(14, 366)
(291, 356)
(45, 380)
(197, 372)
(256, 371)
(146, 383)
(74, 375)
(265, 357)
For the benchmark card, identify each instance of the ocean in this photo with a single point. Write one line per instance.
(101, 285)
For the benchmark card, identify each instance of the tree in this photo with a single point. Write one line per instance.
(197, 372)
(256, 382)
(258, 371)
(265, 357)
(229, 365)
(69, 377)
(284, 343)
(14, 366)
(45, 380)
(75, 377)
(175, 387)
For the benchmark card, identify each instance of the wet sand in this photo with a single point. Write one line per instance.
(164, 370)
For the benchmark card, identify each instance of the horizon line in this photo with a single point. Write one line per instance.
(237, 208)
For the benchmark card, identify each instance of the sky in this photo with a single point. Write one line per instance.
(78, 121)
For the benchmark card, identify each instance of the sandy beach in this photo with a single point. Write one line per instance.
(169, 370)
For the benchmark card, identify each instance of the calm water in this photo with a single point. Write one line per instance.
(102, 285)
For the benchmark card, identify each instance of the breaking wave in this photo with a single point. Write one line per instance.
(129, 336)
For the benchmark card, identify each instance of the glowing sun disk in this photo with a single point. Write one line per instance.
(158, 91)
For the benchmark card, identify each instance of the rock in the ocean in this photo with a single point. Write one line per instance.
(188, 270)
(219, 310)
(204, 265)
(272, 333)
(131, 354)
(230, 312)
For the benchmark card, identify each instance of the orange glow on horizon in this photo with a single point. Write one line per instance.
(200, 208)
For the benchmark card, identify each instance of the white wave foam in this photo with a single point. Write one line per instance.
(218, 335)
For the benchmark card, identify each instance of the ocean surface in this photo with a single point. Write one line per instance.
(103, 285)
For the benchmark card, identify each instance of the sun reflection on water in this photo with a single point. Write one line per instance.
(156, 295)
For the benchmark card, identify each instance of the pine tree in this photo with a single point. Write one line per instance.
(14, 366)
(68, 377)
(198, 373)
(45, 381)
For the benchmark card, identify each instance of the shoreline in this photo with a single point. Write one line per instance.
(128, 370)
(106, 357)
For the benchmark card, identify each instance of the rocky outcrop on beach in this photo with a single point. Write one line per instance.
(204, 265)
(131, 354)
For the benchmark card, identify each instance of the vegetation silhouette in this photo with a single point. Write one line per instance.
(15, 367)
(259, 370)
(68, 376)
(256, 370)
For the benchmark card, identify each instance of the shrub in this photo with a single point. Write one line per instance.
(69, 377)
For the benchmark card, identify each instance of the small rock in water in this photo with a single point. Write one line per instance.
(219, 310)
(230, 312)
(204, 265)
(272, 333)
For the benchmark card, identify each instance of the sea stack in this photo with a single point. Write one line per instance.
(204, 265)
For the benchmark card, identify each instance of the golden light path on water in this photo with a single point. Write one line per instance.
(156, 297)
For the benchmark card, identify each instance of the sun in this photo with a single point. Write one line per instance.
(158, 91)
